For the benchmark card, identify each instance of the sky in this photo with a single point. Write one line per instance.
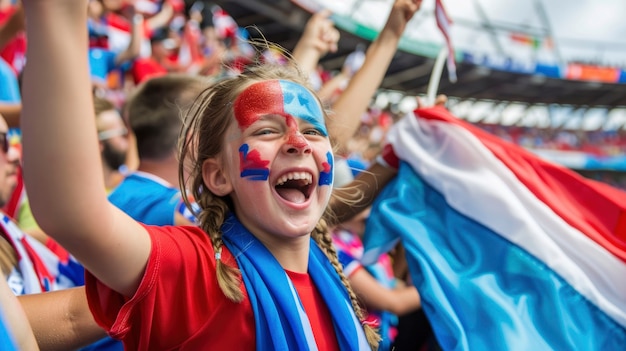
(581, 30)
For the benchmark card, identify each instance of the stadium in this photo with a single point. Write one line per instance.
(558, 95)
(233, 174)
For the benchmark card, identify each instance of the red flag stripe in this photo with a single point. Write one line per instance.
(594, 208)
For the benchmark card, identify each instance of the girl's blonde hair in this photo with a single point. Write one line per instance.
(202, 137)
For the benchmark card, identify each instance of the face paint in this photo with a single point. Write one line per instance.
(251, 164)
(326, 176)
(299, 102)
(282, 98)
(257, 100)
(296, 138)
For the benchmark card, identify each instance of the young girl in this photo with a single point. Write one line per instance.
(260, 271)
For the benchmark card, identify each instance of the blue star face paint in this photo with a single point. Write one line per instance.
(299, 102)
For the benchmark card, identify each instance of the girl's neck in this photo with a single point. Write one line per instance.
(292, 254)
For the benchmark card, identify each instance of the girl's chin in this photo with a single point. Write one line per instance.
(298, 227)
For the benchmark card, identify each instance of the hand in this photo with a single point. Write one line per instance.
(401, 13)
(440, 100)
(320, 33)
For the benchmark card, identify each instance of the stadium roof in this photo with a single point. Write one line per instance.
(282, 22)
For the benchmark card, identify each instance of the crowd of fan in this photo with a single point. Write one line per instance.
(596, 142)
(134, 42)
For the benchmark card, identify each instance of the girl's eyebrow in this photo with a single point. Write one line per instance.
(271, 117)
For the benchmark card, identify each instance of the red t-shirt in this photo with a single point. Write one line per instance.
(179, 304)
(316, 310)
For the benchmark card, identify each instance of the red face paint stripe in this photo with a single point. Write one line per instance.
(256, 100)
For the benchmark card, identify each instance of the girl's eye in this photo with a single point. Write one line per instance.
(265, 131)
(312, 132)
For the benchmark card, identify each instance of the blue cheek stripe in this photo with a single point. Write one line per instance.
(300, 103)
(248, 169)
(326, 178)
(256, 174)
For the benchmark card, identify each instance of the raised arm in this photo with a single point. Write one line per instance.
(62, 168)
(362, 191)
(161, 18)
(133, 49)
(319, 38)
(349, 107)
(329, 89)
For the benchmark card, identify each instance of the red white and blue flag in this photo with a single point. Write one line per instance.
(508, 251)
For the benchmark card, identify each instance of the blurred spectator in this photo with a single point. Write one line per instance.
(28, 265)
(152, 193)
(12, 54)
(596, 142)
(12, 35)
(162, 59)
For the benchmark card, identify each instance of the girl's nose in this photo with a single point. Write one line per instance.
(297, 144)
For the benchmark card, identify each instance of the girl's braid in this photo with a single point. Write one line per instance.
(322, 237)
(212, 217)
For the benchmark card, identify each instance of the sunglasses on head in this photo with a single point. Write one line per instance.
(112, 133)
(4, 142)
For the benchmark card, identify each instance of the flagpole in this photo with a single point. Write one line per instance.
(435, 75)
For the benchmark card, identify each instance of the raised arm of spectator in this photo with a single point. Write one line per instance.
(136, 37)
(329, 89)
(319, 38)
(59, 136)
(61, 320)
(349, 107)
(348, 201)
(161, 18)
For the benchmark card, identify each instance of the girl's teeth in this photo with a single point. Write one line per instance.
(294, 176)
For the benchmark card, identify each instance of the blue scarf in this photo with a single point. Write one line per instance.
(280, 320)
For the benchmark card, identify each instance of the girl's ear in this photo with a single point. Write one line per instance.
(215, 178)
